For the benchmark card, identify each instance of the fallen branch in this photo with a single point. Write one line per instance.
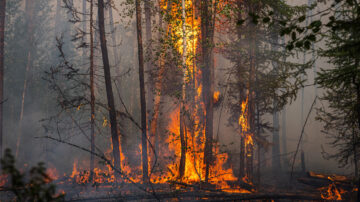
(301, 135)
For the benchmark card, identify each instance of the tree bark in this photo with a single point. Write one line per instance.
(92, 89)
(109, 91)
(207, 34)
(242, 143)
(251, 103)
(142, 93)
(148, 65)
(84, 28)
(183, 96)
(2, 54)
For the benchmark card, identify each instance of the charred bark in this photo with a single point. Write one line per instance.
(207, 34)
(2, 53)
(109, 91)
(183, 97)
(242, 142)
(142, 93)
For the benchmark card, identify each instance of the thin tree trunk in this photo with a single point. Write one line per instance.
(251, 106)
(109, 91)
(29, 12)
(84, 28)
(2, 53)
(283, 136)
(183, 96)
(142, 93)
(148, 65)
(92, 89)
(207, 33)
(242, 143)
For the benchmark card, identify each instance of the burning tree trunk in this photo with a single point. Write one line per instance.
(29, 12)
(251, 107)
(207, 34)
(142, 93)
(109, 92)
(92, 89)
(2, 53)
(183, 96)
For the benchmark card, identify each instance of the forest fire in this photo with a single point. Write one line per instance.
(180, 100)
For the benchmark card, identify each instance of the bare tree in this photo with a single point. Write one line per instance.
(109, 91)
(142, 92)
(207, 65)
(92, 88)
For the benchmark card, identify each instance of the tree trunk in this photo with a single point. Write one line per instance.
(109, 91)
(142, 93)
(29, 12)
(242, 143)
(2, 54)
(149, 66)
(283, 137)
(251, 106)
(84, 28)
(183, 96)
(92, 89)
(207, 34)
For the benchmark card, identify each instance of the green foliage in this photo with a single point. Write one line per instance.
(342, 81)
(35, 188)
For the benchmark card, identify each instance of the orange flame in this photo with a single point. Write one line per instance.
(331, 192)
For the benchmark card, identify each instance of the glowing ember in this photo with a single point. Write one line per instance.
(331, 192)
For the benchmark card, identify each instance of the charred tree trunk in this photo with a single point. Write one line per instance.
(207, 34)
(148, 66)
(183, 97)
(142, 93)
(242, 142)
(2, 54)
(109, 91)
(251, 106)
(92, 89)
(84, 28)
(29, 12)
(358, 122)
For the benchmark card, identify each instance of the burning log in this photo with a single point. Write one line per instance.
(331, 187)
